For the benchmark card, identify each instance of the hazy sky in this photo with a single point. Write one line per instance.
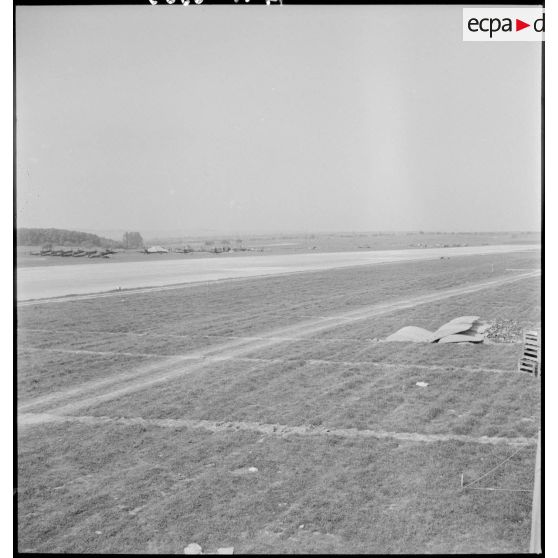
(255, 118)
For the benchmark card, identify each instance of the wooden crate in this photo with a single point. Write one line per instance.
(528, 365)
(530, 360)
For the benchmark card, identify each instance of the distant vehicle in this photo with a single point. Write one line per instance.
(185, 250)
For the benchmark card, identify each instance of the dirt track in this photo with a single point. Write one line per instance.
(447, 368)
(274, 429)
(67, 402)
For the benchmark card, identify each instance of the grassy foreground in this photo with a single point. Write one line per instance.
(139, 489)
(121, 488)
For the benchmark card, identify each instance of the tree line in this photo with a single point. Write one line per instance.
(63, 237)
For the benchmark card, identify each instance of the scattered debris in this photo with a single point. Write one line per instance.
(193, 548)
(422, 384)
(226, 550)
(505, 331)
(253, 469)
(301, 526)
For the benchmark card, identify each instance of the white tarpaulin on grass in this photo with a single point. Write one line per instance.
(411, 333)
(464, 329)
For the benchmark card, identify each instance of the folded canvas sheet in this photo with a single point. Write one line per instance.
(464, 329)
(464, 319)
(462, 338)
(411, 333)
(457, 325)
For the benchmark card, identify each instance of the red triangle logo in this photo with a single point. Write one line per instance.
(519, 25)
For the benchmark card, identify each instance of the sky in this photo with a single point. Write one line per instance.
(238, 118)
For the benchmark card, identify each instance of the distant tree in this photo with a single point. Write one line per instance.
(132, 240)
(38, 237)
(239, 242)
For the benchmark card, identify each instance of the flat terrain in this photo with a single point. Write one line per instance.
(61, 280)
(268, 414)
(281, 244)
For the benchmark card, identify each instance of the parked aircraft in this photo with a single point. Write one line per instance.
(99, 254)
(155, 250)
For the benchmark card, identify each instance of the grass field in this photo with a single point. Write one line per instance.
(142, 415)
(141, 489)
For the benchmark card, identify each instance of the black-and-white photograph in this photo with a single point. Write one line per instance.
(278, 277)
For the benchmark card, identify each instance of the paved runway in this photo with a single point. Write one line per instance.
(62, 280)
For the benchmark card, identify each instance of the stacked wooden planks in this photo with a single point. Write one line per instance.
(530, 360)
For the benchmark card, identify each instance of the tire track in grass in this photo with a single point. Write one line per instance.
(271, 360)
(91, 393)
(190, 336)
(93, 385)
(280, 430)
